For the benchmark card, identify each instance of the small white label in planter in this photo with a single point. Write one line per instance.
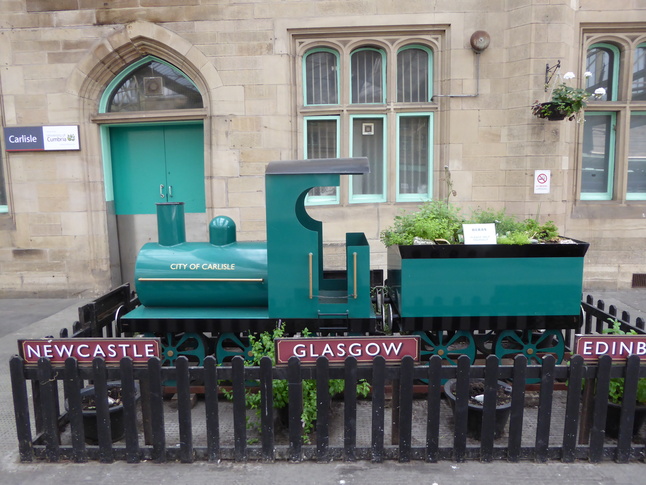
(479, 233)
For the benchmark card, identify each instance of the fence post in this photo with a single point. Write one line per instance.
(544, 418)
(378, 412)
(21, 408)
(156, 410)
(184, 410)
(211, 408)
(433, 403)
(405, 408)
(597, 434)
(295, 392)
(489, 409)
(517, 408)
(575, 382)
(72, 389)
(267, 408)
(104, 428)
(323, 408)
(129, 395)
(350, 409)
(461, 408)
(239, 409)
(629, 403)
(48, 404)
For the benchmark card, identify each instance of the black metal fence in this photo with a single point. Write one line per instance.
(50, 424)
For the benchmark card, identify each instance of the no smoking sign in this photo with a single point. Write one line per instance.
(542, 181)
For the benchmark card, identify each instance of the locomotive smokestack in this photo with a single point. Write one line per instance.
(171, 229)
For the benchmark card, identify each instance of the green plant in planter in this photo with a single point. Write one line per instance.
(434, 220)
(263, 345)
(441, 221)
(616, 389)
(512, 231)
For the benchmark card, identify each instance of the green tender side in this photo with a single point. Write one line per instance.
(488, 286)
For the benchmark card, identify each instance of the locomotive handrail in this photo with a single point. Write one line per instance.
(310, 266)
(226, 280)
(354, 260)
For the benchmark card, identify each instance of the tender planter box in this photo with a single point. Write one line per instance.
(487, 287)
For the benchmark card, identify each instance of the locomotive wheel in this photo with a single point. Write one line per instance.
(533, 345)
(193, 346)
(486, 342)
(449, 347)
(229, 345)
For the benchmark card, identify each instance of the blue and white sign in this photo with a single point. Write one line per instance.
(41, 138)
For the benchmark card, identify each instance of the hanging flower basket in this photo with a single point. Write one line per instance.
(550, 111)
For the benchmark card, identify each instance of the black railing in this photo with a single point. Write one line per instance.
(546, 420)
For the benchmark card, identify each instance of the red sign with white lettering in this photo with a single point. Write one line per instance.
(336, 349)
(85, 350)
(619, 347)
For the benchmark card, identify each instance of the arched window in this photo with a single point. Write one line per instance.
(639, 74)
(368, 76)
(414, 74)
(151, 85)
(321, 77)
(603, 64)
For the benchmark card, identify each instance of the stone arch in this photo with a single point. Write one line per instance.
(136, 40)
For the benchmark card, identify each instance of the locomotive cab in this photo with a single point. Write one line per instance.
(297, 285)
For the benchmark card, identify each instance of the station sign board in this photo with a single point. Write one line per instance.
(85, 350)
(619, 347)
(337, 349)
(41, 138)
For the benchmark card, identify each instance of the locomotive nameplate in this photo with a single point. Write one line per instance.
(85, 350)
(337, 349)
(619, 347)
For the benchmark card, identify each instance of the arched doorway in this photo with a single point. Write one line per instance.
(146, 162)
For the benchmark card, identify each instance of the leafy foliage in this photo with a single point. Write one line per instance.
(439, 220)
(434, 220)
(263, 345)
(616, 389)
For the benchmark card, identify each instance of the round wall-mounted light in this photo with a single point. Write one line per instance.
(480, 41)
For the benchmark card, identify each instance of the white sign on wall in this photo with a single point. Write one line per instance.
(542, 179)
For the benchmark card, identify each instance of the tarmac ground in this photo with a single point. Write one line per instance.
(34, 318)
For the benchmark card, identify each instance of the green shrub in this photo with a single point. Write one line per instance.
(434, 220)
(438, 220)
(263, 345)
(616, 389)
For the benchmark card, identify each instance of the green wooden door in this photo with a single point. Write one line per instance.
(157, 163)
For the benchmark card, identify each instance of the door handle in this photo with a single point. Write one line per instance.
(170, 191)
(161, 190)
